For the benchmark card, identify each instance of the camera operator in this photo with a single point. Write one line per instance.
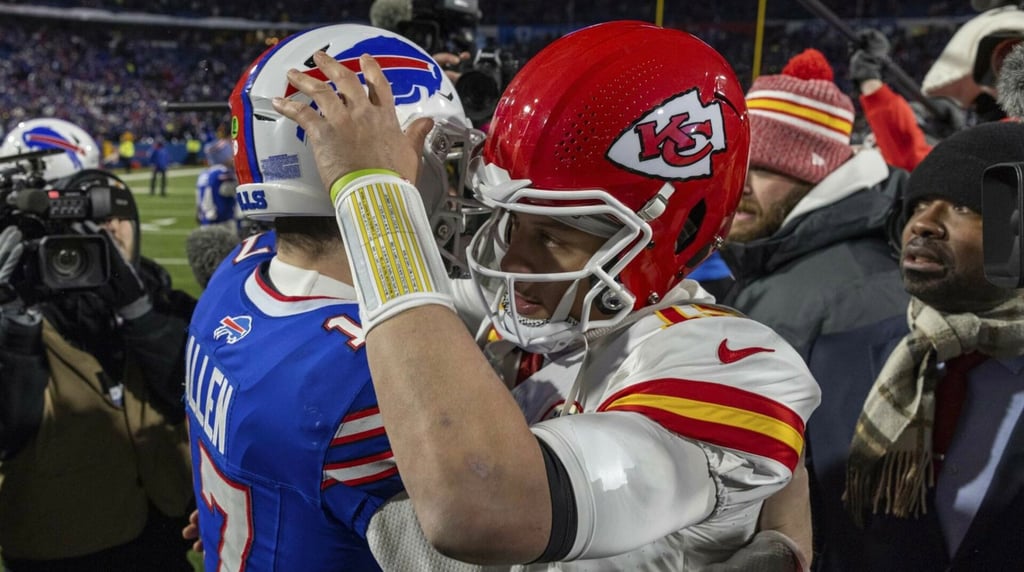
(447, 29)
(94, 460)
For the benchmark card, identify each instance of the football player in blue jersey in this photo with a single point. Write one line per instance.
(215, 188)
(290, 454)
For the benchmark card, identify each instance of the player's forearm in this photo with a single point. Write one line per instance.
(472, 467)
(788, 511)
(474, 471)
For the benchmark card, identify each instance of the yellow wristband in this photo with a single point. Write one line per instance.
(340, 184)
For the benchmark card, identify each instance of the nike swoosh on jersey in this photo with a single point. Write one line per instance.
(727, 355)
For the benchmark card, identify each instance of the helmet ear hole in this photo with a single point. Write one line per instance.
(689, 231)
(698, 258)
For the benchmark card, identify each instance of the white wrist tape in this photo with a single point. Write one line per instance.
(391, 250)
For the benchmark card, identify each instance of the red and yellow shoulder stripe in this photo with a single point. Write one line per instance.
(676, 314)
(725, 416)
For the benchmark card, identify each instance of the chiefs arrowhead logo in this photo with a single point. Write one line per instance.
(673, 141)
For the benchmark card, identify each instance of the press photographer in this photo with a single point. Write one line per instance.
(94, 461)
(448, 30)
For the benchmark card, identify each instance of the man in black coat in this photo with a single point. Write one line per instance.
(916, 454)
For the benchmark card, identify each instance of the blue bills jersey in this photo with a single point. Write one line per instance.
(215, 195)
(290, 458)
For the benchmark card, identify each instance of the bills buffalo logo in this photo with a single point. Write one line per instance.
(45, 138)
(673, 141)
(233, 328)
(413, 76)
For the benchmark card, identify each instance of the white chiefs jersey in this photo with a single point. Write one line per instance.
(679, 424)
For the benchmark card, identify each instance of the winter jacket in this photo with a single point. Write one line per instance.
(829, 268)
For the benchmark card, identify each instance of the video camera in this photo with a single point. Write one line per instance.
(1002, 202)
(450, 26)
(63, 247)
(484, 77)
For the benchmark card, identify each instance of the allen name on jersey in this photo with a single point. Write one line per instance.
(208, 395)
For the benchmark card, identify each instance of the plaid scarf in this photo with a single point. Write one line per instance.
(890, 463)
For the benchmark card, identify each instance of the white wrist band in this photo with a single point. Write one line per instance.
(394, 259)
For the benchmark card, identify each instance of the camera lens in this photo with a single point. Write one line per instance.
(479, 91)
(68, 262)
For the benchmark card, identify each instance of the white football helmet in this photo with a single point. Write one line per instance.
(219, 152)
(81, 150)
(277, 174)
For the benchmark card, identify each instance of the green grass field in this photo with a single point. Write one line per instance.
(166, 221)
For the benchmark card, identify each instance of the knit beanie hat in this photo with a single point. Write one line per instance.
(800, 121)
(953, 169)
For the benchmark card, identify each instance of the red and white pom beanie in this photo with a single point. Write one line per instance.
(800, 121)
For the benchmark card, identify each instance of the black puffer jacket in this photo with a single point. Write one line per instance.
(827, 270)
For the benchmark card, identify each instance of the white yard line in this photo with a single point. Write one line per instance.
(172, 261)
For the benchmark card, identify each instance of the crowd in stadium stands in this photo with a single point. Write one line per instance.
(112, 78)
(523, 12)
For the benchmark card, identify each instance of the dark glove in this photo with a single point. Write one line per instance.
(11, 249)
(24, 375)
(950, 119)
(124, 291)
(21, 329)
(871, 49)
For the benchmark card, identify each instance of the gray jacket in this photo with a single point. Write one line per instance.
(829, 268)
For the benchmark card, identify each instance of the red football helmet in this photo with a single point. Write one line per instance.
(622, 121)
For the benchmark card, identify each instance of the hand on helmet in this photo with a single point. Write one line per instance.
(354, 128)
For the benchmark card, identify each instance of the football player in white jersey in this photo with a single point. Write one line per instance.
(656, 423)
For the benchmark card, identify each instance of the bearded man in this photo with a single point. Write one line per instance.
(808, 246)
